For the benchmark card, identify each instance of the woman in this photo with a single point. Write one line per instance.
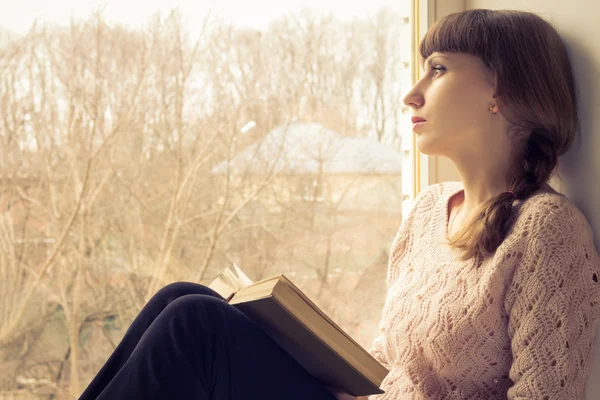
(493, 288)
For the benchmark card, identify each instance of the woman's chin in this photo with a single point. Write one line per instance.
(426, 146)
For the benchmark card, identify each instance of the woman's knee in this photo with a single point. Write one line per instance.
(176, 290)
(200, 311)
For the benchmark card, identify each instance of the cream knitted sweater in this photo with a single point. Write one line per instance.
(519, 325)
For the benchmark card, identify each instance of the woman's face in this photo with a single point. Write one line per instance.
(454, 95)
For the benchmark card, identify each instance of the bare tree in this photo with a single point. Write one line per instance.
(381, 86)
(110, 139)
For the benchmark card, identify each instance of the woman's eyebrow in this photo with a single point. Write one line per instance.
(429, 60)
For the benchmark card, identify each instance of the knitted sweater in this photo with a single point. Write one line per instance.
(520, 324)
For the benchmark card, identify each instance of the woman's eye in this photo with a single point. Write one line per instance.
(439, 68)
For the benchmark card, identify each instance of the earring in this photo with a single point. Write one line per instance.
(491, 111)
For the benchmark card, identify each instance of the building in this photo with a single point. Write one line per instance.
(316, 164)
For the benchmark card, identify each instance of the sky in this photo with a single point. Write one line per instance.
(19, 16)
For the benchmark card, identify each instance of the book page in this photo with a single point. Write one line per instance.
(242, 278)
(222, 287)
(230, 282)
(232, 279)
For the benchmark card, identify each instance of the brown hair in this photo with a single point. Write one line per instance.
(536, 91)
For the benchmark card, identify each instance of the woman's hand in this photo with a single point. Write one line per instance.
(340, 395)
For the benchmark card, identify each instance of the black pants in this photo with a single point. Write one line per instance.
(188, 343)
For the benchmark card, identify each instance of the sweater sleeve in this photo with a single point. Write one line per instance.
(552, 305)
(398, 249)
(404, 236)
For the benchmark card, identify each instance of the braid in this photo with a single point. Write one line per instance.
(489, 229)
(539, 161)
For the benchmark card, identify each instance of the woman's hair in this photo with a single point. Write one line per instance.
(536, 92)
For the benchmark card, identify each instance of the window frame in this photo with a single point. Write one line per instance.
(423, 14)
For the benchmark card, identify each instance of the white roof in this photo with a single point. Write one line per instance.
(301, 148)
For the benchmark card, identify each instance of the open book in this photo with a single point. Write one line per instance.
(304, 331)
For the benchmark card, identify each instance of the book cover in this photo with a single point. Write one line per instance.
(293, 321)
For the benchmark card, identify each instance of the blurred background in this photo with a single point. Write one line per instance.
(143, 143)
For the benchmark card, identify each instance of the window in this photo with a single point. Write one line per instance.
(139, 150)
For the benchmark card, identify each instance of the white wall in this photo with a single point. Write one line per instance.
(579, 170)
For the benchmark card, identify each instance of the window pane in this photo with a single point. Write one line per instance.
(141, 149)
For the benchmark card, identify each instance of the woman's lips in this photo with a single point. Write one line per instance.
(417, 124)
